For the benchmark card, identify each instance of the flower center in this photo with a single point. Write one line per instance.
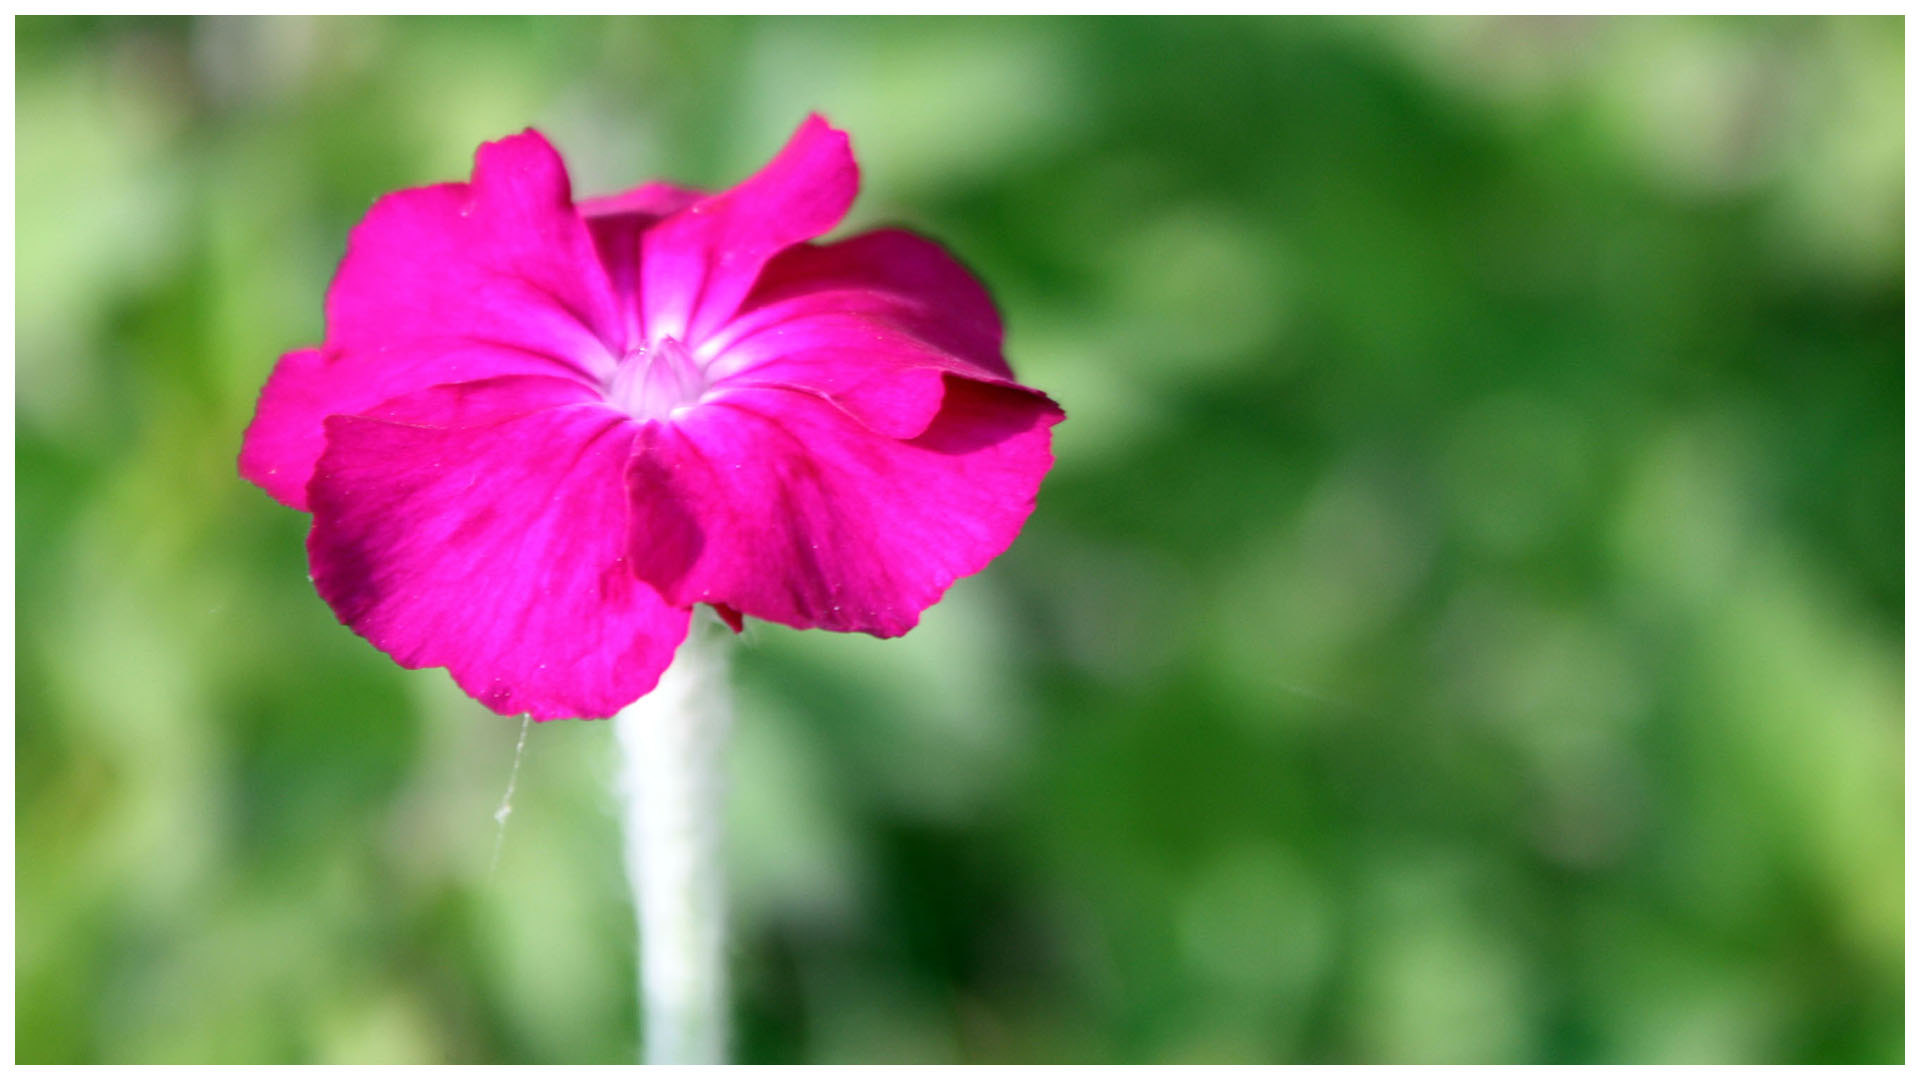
(653, 380)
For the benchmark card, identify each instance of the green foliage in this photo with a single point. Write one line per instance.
(1464, 623)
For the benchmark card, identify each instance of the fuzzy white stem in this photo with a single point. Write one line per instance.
(673, 744)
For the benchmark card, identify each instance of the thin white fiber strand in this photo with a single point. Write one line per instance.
(505, 811)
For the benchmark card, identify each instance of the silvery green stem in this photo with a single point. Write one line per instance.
(673, 743)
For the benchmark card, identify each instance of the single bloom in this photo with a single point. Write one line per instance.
(539, 431)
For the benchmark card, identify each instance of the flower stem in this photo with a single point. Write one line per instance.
(673, 742)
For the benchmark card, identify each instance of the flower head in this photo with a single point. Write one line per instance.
(539, 431)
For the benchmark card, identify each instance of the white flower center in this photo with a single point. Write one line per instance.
(652, 381)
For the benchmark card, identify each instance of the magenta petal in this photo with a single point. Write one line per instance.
(617, 223)
(284, 440)
(894, 276)
(774, 503)
(309, 385)
(483, 528)
(654, 199)
(872, 324)
(881, 376)
(502, 260)
(701, 262)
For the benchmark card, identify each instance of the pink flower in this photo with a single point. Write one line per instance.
(539, 431)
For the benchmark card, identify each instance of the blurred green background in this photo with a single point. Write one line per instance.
(1464, 623)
